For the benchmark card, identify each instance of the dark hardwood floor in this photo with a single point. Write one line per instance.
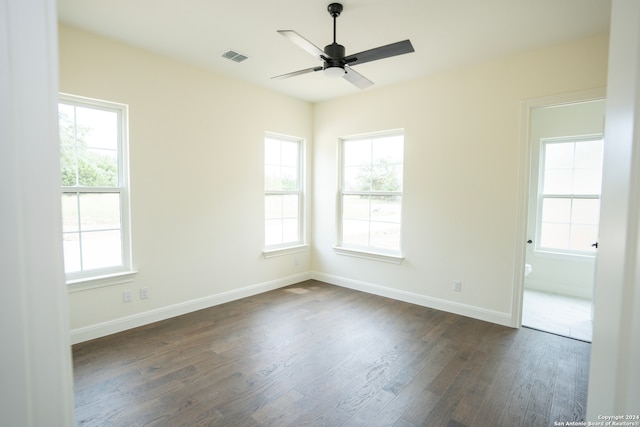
(313, 354)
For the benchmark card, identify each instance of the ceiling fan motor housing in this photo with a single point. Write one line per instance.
(335, 52)
(335, 55)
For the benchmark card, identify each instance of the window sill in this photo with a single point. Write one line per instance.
(86, 283)
(271, 253)
(374, 256)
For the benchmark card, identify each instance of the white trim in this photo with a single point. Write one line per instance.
(271, 253)
(86, 283)
(98, 330)
(36, 372)
(493, 316)
(374, 256)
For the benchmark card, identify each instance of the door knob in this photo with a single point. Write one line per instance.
(595, 245)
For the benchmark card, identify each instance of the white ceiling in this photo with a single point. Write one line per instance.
(445, 33)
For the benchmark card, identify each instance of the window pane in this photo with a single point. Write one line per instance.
(71, 247)
(355, 232)
(273, 206)
(385, 235)
(89, 146)
(356, 207)
(68, 166)
(289, 178)
(273, 231)
(557, 181)
(386, 208)
(101, 249)
(587, 181)
(290, 206)
(554, 235)
(100, 211)
(357, 178)
(386, 176)
(556, 210)
(582, 237)
(99, 128)
(290, 230)
(66, 118)
(289, 153)
(357, 152)
(586, 211)
(588, 154)
(281, 165)
(559, 155)
(97, 168)
(70, 212)
(271, 151)
(389, 149)
(272, 180)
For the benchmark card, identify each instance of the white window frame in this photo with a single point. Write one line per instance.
(300, 245)
(557, 252)
(368, 252)
(93, 278)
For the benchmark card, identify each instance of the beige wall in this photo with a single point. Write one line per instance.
(462, 151)
(196, 155)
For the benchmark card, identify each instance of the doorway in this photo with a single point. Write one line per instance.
(566, 142)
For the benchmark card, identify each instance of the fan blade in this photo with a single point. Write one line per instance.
(355, 78)
(305, 44)
(393, 49)
(297, 73)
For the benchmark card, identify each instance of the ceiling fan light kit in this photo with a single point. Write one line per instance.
(335, 62)
(334, 72)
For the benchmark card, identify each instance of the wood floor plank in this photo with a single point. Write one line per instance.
(313, 354)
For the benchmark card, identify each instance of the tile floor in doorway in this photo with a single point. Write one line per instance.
(558, 314)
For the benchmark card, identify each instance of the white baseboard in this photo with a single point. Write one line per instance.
(492, 316)
(87, 333)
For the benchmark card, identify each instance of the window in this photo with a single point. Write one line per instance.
(569, 195)
(283, 192)
(371, 193)
(95, 198)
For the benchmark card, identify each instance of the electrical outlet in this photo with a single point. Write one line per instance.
(127, 296)
(457, 286)
(144, 293)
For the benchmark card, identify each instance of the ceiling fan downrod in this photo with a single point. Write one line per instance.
(335, 9)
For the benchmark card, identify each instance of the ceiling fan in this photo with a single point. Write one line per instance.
(336, 64)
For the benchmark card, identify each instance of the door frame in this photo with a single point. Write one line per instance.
(524, 168)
